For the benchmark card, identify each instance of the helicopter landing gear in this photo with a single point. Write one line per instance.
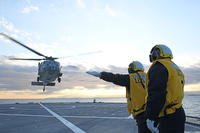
(59, 80)
(38, 79)
(44, 88)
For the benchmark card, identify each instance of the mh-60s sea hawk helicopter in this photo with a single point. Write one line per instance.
(48, 70)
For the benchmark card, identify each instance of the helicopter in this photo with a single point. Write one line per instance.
(48, 70)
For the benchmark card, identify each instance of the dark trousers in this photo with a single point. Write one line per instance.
(142, 124)
(173, 123)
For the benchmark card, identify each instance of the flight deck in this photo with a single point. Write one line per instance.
(72, 118)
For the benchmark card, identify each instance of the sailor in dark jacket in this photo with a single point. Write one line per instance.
(165, 82)
(135, 91)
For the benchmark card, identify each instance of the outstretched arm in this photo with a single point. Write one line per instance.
(118, 79)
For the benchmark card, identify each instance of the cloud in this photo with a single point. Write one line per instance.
(18, 78)
(90, 53)
(30, 9)
(192, 87)
(110, 11)
(97, 8)
(9, 26)
(192, 74)
(14, 78)
(80, 4)
(12, 30)
(116, 69)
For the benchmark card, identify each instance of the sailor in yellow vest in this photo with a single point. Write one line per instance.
(135, 91)
(165, 83)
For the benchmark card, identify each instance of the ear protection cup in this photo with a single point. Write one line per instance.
(130, 69)
(155, 54)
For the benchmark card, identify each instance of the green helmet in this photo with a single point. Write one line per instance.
(160, 51)
(135, 66)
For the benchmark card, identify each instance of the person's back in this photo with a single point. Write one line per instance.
(137, 92)
(165, 91)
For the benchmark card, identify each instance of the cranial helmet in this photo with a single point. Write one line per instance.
(160, 51)
(135, 66)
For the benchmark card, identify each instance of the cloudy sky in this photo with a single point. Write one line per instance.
(94, 34)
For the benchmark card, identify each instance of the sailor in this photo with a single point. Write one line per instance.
(165, 83)
(135, 90)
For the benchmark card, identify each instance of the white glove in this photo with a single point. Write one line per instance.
(150, 125)
(130, 116)
(94, 73)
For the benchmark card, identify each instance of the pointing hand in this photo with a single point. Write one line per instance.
(94, 73)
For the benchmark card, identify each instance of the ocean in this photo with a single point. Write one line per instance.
(191, 102)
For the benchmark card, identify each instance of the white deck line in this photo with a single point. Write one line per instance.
(97, 117)
(74, 128)
(82, 117)
(77, 116)
(25, 115)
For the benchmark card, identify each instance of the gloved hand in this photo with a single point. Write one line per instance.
(94, 73)
(152, 128)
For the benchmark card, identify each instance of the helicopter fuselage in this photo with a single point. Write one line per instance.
(49, 71)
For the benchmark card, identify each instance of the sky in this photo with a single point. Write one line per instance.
(103, 35)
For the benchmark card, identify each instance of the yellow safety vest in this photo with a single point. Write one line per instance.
(175, 87)
(137, 93)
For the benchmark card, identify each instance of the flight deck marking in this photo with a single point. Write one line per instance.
(75, 116)
(83, 117)
(87, 117)
(64, 121)
(25, 115)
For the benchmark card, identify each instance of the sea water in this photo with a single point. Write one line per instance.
(191, 104)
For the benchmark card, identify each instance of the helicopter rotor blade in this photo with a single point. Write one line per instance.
(82, 54)
(14, 40)
(30, 59)
(54, 58)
